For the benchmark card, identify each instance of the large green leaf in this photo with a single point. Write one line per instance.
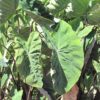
(7, 8)
(33, 47)
(67, 58)
(28, 59)
(39, 19)
(79, 8)
(94, 15)
(73, 8)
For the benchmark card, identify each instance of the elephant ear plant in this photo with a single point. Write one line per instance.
(47, 47)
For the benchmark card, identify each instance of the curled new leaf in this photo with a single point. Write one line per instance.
(28, 60)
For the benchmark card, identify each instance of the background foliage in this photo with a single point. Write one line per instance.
(48, 46)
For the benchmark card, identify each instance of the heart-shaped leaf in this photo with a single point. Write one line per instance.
(67, 58)
(28, 59)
